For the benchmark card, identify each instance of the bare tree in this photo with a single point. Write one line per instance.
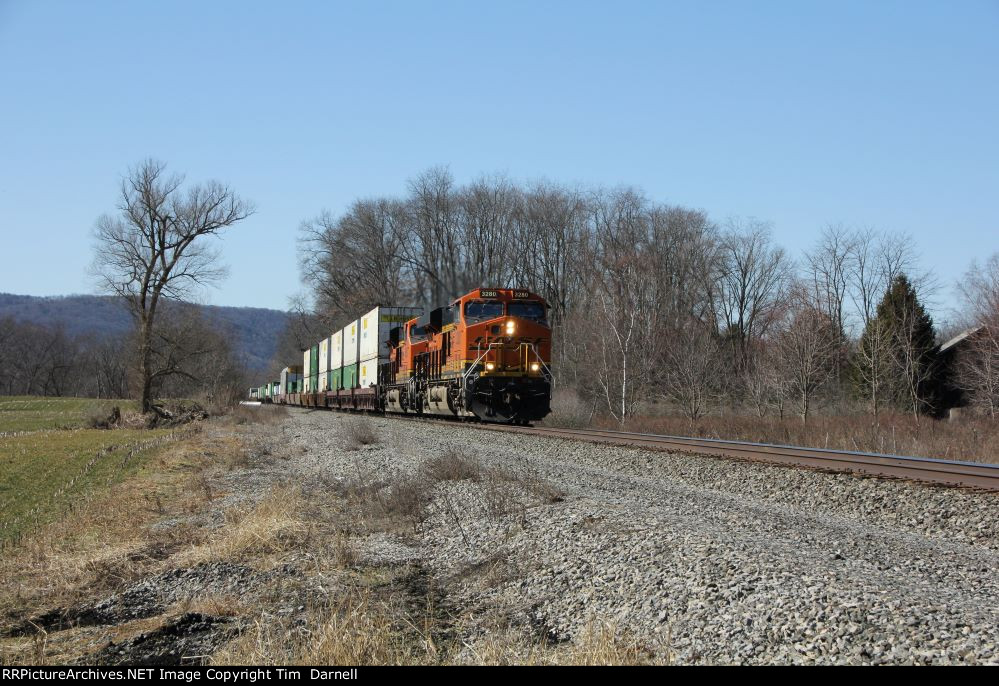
(629, 324)
(552, 231)
(978, 368)
(759, 377)
(978, 362)
(806, 347)
(980, 291)
(695, 367)
(158, 248)
(753, 279)
(873, 365)
(354, 262)
(828, 266)
(486, 213)
(110, 369)
(828, 275)
(7, 328)
(875, 259)
(435, 238)
(914, 354)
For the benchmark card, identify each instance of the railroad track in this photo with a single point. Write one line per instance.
(978, 475)
(944, 472)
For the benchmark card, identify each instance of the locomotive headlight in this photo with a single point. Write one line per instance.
(509, 327)
(490, 366)
(535, 366)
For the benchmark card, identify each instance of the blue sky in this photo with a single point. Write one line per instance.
(881, 114)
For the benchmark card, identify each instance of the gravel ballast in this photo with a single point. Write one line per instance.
(700, 559)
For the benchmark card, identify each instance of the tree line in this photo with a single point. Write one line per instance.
(654, 302)
(189, 358)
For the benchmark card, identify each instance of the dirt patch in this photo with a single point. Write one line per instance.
(152, 596)
(186, 640)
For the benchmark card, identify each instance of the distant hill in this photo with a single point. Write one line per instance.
(255, 330)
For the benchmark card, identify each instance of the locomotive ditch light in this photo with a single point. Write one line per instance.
(490, 366)
(535, 366)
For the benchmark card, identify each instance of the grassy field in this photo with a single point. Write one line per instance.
(44, 474)
(31, 413)
(49, 461)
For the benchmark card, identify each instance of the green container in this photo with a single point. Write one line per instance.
(334, 379)
(351, 376)
(314, 368)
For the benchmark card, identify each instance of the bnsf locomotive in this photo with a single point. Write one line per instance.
(484, 356)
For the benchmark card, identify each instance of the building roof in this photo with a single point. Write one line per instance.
(958, 338)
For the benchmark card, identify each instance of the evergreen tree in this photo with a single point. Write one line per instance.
(895, 364)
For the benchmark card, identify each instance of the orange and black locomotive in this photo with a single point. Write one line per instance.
(485, 355)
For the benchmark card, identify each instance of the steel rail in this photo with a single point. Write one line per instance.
(977, 475)
(944, 472)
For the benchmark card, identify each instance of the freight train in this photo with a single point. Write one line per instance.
(485, 356)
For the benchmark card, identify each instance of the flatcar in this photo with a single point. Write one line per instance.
(486, 356)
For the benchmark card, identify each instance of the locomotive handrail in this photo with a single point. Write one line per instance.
(544, 367)
(468, 372)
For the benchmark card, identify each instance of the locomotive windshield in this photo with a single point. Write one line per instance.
(481, 310)
(535, 311)
(417, 334)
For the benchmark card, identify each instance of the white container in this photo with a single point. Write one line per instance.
(375, 327)
(336, 351)
(350, 341)
(368, 373)
(324, 363)
(305, 363)
(288, 378)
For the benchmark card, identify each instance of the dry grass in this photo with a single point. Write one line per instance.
(453, 465)
(600, 643)
(257, 414)
(273, 525)
(972, 439)
(360, 627)
(382, 503)
(352, 628)
(359, 432)
(215, 605)
(569, 410)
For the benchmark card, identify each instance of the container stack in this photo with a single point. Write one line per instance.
(291, 378)
(314, 369)
(336, 361)
(373, 336)
(350, 354)
(324, 365)
(305, 371)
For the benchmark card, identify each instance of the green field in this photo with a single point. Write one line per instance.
(48, 461)
(31, 413)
